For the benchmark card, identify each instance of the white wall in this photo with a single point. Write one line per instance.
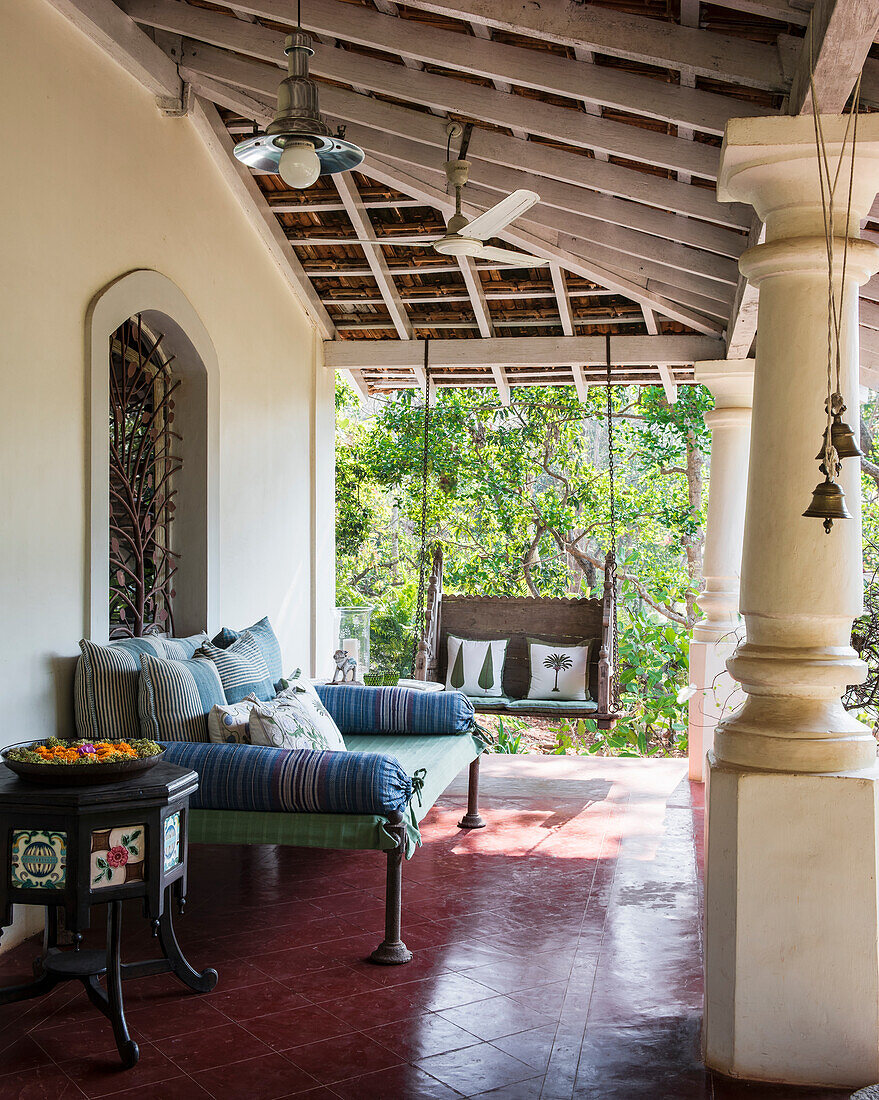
(115, 186)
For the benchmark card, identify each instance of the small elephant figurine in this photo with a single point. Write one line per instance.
(344, 665)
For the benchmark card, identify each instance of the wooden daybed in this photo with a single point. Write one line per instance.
(563, 621)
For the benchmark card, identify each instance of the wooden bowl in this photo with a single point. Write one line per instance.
(82, 775)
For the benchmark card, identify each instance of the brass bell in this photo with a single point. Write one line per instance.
(841, 435)
(843, 438)
(828, 503)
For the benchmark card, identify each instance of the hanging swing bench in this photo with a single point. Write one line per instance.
(522, 620)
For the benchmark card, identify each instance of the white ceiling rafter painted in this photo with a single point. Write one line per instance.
(564, 165)
(580, 264)
(511, 65)
(634, 287)
(436, 91)
(521, 352)
(643, 39)
(362, 226)
(482, 313)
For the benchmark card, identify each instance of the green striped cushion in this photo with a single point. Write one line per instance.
(242, 668)
(175, 698)
(106, 687)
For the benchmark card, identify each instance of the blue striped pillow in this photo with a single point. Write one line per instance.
(242, 669)
(105, 691)
(183, 649)
(175, 698)
(265, 638)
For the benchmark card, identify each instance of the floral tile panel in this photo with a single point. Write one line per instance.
(117, 856)
(39, 859)
(171, 842)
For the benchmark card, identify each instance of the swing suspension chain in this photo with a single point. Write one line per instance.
(422, 561)
(612, 570)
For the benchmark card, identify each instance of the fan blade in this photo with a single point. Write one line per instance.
(377, 242)
(506, 256)
(501, 214)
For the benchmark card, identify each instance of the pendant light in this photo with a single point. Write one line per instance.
(297, 145)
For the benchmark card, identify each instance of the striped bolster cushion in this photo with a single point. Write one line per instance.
(250, 777)
(396, 710)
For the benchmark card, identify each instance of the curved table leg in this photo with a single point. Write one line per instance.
(201, 981)
(127, 1047)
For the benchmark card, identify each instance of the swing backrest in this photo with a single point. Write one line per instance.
(561, 621)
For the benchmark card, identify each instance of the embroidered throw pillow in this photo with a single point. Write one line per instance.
(265, 638)
(558, 671)
(175, 698)
(295, 719)
(106, 687)
(230, 724)
(242, 668)
(476, 667)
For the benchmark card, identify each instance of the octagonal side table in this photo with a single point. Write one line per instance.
(69, 848)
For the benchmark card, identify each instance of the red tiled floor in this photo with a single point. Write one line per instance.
(558, 957)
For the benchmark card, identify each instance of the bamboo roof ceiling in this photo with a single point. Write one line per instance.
(612, 110)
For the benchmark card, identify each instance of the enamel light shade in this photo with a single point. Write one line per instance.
(298, 119)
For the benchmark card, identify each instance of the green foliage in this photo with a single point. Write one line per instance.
(509, 736)
(653, 683)
(519, 500)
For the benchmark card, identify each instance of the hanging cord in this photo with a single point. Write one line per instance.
(834, 402)
(615, 692)
(425, 462)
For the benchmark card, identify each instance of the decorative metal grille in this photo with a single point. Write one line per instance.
(142, 466)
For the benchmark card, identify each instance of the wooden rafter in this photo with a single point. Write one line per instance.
(375, 259)
(482, 314)
(564, 165)
(527, 351)
(568, 256)
(432, 90)
(210, 127)
(505, 65)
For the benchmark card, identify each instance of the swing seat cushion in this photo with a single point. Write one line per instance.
(549, 708)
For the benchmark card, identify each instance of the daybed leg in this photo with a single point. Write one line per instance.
(472, 819)
(392, 951)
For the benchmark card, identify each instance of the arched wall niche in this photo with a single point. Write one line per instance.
(166, 309)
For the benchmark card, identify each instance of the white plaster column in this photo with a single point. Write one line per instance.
(791, 922)
(716, 635)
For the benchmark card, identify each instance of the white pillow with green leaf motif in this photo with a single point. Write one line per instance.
(295, 719)
(476, 667)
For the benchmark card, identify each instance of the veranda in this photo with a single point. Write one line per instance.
(558, 952)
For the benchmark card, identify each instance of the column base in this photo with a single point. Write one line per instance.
(792, 926)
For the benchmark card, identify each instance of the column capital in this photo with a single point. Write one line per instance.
(731, 381)
(772, 164)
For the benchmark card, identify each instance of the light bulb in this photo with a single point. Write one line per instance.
(299, 165)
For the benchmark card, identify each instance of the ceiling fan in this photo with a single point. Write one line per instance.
(467, 238)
